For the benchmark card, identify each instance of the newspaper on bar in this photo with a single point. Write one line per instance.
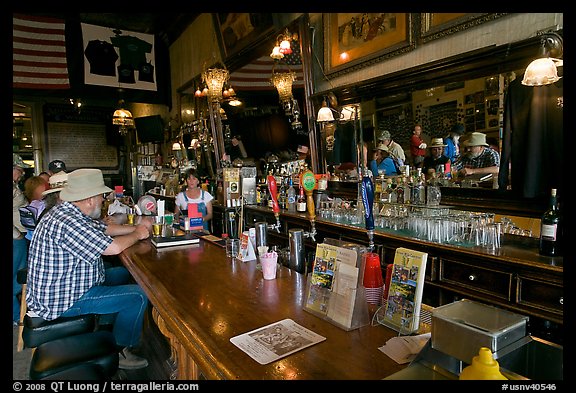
(275, 341)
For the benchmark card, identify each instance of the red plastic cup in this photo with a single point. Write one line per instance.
(373, 281)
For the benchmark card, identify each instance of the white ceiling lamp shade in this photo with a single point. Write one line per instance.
(544, 70)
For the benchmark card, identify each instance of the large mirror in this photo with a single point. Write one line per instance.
(482, 92)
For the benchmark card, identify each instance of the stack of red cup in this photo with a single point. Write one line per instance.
(373, 281)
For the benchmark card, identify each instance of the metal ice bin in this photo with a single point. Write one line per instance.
(461, 328)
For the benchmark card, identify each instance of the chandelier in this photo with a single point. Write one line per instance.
(282, 81)
(215, 78)
(123, 118)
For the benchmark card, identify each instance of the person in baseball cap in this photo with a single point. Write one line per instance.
(56, 166)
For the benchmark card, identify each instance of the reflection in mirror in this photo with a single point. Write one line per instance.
(476, 105)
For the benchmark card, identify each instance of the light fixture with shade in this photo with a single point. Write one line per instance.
(544, 71)
(122, 117)
(283, 45)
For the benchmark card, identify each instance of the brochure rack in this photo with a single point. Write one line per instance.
(402, 308)
(334, 290)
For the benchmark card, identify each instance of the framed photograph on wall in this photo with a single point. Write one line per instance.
(356, 40)
(434, 25)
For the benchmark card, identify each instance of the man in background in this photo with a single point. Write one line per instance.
(417, 147)
(479, 157)
(394, 149)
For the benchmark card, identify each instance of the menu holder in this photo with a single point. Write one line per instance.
(334, 290)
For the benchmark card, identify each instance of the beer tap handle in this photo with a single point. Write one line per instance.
(273, 189)
(367, 189)
(309, 183)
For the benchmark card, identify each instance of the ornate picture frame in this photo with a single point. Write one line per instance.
(356, 40)
(437, 25)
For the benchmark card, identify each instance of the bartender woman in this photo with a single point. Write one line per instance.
(193, 193)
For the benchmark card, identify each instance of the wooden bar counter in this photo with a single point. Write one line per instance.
(201, 299)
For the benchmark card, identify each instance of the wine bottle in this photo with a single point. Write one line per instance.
(550, 231)
(291, 196)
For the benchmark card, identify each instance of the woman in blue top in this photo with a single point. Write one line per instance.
(382, 161)
(193, 193)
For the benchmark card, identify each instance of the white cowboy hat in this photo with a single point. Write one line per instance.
(56, 182)
(437, 142)
(476, 139)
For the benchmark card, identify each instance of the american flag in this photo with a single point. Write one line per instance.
(256, 75)
(39, 53)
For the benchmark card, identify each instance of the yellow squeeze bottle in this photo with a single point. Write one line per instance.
(483, 367)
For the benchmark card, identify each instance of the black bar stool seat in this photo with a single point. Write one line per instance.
(56, 356)
(37, 330)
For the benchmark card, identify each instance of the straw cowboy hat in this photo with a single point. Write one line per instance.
(476, 139)
(83, 184)
(437, 142)
(56, 182)
(382, 147)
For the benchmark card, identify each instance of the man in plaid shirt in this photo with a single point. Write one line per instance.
(66, 274)
(479, 157)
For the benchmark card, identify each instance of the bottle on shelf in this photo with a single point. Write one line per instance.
(551, 228)
(291, 196)
(282, 196)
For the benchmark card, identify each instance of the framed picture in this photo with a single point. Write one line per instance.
(436, 25)
(356, 40)
(238, 30)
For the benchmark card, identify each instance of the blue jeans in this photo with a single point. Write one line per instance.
(19, 261)
(128, 301)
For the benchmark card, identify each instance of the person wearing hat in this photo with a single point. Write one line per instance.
(394, 149)
(56, 166)
(382, 162)
(19, 242)
(452, 142)
(432, 163)
(479, 158)
(66, 274)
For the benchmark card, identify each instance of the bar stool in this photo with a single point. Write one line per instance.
(62, 345)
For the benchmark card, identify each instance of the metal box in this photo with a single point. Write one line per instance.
(461, 328)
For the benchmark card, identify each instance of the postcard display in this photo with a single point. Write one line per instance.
(334, 289)
(402, 307)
